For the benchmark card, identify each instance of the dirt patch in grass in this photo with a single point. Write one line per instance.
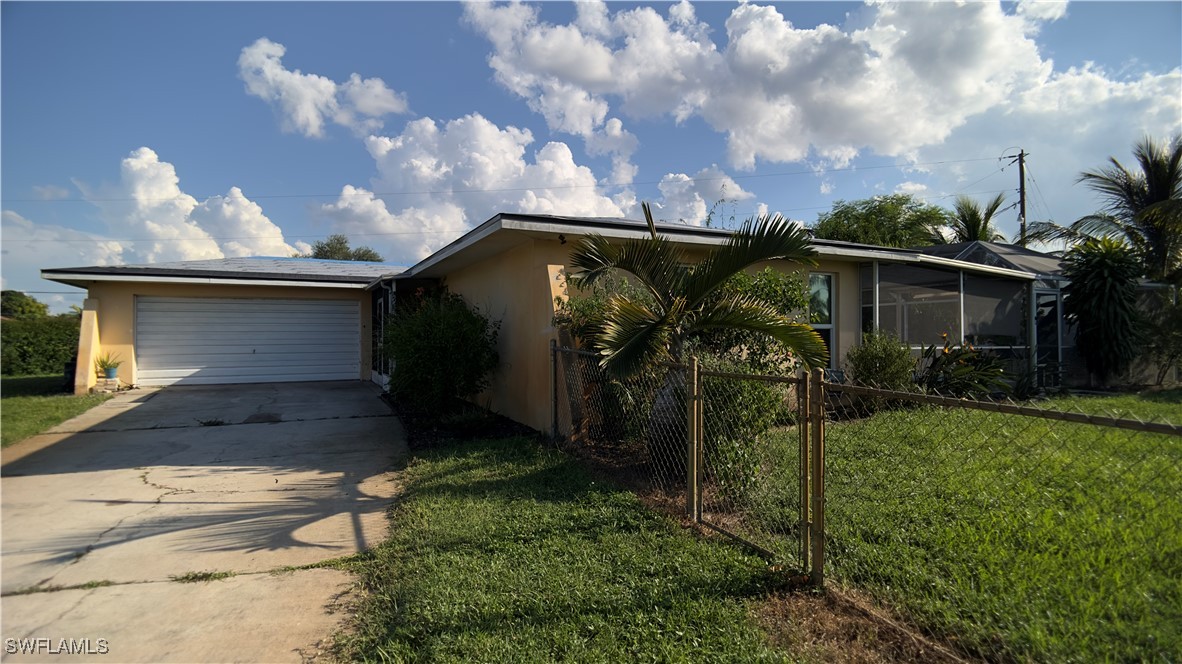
(840, 625)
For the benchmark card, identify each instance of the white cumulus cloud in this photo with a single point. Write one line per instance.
(306, 102)
(690, 199)
(896, 78)
(160, 222)
(443, 177)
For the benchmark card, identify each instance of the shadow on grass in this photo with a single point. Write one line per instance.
(1172, 396)
(32, 386)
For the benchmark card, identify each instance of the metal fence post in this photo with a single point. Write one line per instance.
(692, 440)
(700, 450)
(817, 440)
(554, 389)
(803, 424)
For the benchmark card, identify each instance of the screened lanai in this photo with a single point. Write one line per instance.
(1004, 312)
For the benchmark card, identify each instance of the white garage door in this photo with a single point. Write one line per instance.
(197, 341)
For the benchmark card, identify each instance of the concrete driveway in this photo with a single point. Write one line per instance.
(103, 516)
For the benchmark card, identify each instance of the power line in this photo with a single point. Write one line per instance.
(752, 213)
(752, 176)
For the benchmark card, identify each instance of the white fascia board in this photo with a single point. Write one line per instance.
(76, 276)
(979, 268)
(470, 238)
(558, 228)
(864, 254)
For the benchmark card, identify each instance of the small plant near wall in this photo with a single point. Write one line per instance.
(107, 365)
(960, 371)
(882, 361)
(443, 351)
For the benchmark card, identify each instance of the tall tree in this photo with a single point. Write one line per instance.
(972, 223)
(18, 305)
(1101, 300)
(1141, 207)
(683, 299)
(898, 220)
(336, 247)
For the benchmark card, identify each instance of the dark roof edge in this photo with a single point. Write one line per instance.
(116, 270)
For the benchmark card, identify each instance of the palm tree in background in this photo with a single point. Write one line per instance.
(682, 299)
(972, 223)
(1142, 207)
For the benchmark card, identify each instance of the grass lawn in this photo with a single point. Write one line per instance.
(1162, 405)
(32, 404)
(504, 551)
(1013, 538)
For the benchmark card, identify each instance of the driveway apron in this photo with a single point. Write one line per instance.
(164, 525)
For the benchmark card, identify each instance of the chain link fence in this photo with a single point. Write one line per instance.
(633, 429)
(1046, 530)
(1040, 531)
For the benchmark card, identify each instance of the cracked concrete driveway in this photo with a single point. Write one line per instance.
(102, 514)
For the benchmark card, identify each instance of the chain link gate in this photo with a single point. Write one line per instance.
(741, 454)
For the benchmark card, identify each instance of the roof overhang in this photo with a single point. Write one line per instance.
(83, 280)
(504, 231)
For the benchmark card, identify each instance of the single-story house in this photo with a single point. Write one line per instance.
(278, 319)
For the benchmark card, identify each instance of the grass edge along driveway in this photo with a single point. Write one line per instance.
(31, 404)
(501, 550)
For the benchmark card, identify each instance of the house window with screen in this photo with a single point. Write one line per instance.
(821, 309)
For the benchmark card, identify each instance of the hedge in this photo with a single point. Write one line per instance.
(39, 346)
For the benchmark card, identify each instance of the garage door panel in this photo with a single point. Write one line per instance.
(284, 370)
(226, 340)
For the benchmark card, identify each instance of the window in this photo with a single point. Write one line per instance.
(821, 310)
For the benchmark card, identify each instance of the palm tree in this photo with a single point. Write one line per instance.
(972, 223)
(683, 299)
(1141, 207)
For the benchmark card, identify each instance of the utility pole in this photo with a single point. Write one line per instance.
(1022, 196)
(1021, 159)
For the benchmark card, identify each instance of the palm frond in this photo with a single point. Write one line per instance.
(759, 239)
(757, 316)
(634, 336)
(656, 263)
(1049, 232)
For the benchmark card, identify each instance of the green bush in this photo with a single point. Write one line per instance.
(442, 350)
(787, 293)
(1101, 300)
(736, 413)
(960, 371)
(882, 361)
(38, 346)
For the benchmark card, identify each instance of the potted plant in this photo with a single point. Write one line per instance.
(108, 365)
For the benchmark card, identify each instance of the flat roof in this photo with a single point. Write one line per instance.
(259, 270)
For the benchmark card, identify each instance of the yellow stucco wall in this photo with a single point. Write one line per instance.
(116, 314)
(517, 288)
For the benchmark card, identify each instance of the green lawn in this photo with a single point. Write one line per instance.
(1013, 538)
(504, 551)
(32, 404)
(1163, 405)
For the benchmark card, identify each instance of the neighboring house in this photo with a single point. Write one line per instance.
(263, 319)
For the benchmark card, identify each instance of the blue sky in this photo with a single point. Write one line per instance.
(143, 132)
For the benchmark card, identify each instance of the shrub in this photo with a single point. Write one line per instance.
(882, 361)
(787, 293)
(38, 346)
(1101, 300)
(960, 371)
(442, 350)
(736, 413)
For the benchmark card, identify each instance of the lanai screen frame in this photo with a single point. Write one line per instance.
(943, 291)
